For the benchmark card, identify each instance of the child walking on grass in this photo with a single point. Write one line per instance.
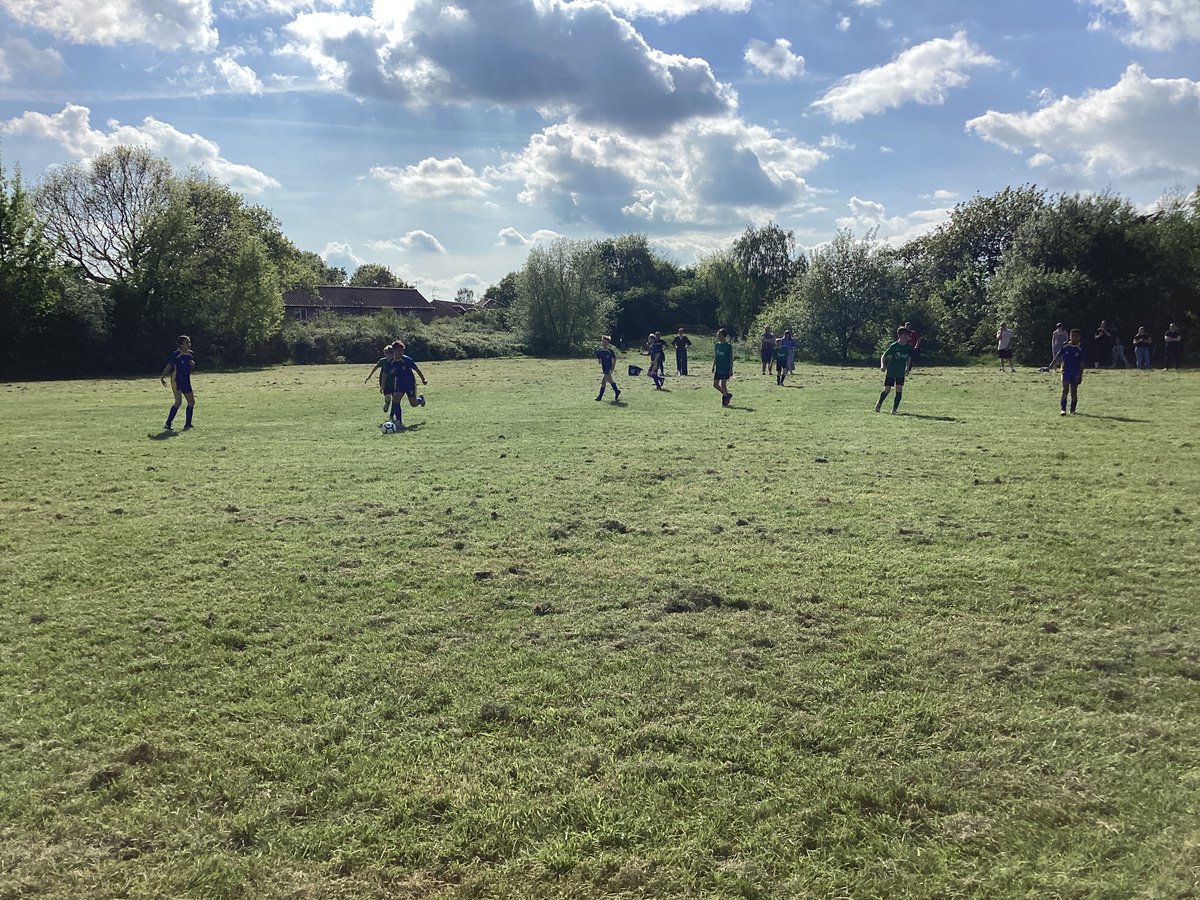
(1073, 358)
(387, 377)
(723, 365)
(179, 366)
(894, 365)
(607, 357)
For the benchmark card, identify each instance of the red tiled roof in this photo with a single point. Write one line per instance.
(366, 298)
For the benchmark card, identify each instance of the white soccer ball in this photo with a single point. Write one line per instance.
(388, 427)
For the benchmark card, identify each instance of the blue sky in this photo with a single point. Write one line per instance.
(444, 140)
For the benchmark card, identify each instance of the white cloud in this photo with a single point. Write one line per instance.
(578, 60)
(416, 241)
(342, 255)
(676, 9)
(241, 79)
(866, 215)
(1139, 125)
(510, 237)
(835, 142)
(921, 74)
(705, 172)
(21, 57)
(886, 149)
(72, 129)
(942, 196)
(1040, 161)
(1157, 24)
(775, 60)
(843, 23)
(867, 4)
(434, 179)
(165, 24)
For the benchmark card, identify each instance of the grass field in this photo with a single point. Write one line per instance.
(539, 646)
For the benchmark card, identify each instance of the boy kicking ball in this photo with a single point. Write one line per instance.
(1073, 359)
(894, 365)
(403, 368)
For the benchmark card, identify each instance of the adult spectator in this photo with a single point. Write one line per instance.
(1142, 342)
(914, 345)
(1004, 339)
(767, 350)
(1103, 341)
(1172, 344)
(681, 342)
(1058, 337)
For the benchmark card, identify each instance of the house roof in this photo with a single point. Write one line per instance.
(363, 297)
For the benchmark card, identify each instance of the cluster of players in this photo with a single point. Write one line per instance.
(398, 375)
(398, 371)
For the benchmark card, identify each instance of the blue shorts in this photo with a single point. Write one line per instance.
(184, 387)
(889, 381)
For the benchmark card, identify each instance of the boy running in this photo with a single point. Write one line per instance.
(894, 365)
(723, 365)
(179, 367)
(403, 368)
(1072, 356)
(607, 358)
(387, 378)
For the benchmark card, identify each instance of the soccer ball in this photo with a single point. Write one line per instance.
(388, 427)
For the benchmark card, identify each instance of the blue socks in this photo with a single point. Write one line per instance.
(188, 420)
(171, 415)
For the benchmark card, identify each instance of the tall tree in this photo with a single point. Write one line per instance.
(30, 287)
(764, 259)
(376, 275)
(97, 213)
(844, 301)
(559, 298)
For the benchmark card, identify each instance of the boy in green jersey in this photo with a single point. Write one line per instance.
(780, 355)
(723, 365)
(894, 365)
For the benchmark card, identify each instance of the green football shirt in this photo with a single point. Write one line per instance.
(895, 359)
(723, 357)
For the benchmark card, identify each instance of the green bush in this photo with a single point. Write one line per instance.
(330, 338)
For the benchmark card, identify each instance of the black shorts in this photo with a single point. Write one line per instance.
(389, 387)
(890, 381)
(1005, 354)
(721, 374)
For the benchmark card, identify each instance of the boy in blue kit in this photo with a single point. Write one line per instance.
(403, 368)
(655, 347)
(1073, 359)
(894, 365)
(179, 367)
(607, 358)
(723, 365)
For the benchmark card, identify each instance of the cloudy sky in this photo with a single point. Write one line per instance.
(445, 139)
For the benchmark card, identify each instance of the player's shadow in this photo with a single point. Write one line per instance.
(741, 406)
(405, 429)
(162, 435)
(930, 418)
(619, 403)
(1114, 418)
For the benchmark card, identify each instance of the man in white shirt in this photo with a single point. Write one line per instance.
(1004, 346)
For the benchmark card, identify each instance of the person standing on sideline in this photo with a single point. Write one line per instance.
(1104, 342)
(1058, 337)
(179, 366)
(914, 355)
(894, 365)
(1072, 358)
(767, 350)
(1172, 344)
(723, 365)
(681, 342)
(1004, 339)
(607, 357)
(1118, 351)
(1142, 342)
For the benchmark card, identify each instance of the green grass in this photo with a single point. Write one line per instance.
(539, 646)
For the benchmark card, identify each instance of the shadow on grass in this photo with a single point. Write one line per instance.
(931, 418)
(162, 435)
(1114, 418)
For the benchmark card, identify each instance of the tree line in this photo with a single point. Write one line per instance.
(106, 261)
